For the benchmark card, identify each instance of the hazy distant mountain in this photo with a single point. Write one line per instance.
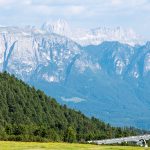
(93, 36)
(110, 80)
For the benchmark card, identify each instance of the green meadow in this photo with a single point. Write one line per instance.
(61, 146)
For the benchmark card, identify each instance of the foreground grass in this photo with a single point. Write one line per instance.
(60, 146)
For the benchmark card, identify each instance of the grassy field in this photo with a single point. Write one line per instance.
(60, 146)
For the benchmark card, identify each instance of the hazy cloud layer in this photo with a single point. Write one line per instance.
(88, 13)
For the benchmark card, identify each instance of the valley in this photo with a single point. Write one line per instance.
(112, 77)
(74, 75)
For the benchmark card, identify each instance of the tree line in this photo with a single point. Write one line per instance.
(27, 114)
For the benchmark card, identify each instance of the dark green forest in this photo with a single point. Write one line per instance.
(27, 114)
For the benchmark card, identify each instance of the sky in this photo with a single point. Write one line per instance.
(133, 14)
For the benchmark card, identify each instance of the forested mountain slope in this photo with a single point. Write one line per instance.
(28, 114)
(110, 81)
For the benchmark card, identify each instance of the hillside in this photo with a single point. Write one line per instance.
(110, 81)
(29, 115)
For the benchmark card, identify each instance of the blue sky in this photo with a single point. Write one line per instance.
(81, 13)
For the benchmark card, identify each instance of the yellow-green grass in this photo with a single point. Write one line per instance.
(61, 146)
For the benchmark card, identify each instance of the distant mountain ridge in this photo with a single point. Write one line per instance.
(82, 36)
(93, 36)
(110, 80)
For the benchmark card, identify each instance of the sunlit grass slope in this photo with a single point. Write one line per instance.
(60, 146)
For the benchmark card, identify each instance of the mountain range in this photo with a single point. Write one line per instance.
(93, 36)
(103, 72)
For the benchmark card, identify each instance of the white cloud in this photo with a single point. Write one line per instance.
(134, 13)
(75, 9)
(41, 9)
(116, 2)
(26, 2)
(6, 2)
(12, 3)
